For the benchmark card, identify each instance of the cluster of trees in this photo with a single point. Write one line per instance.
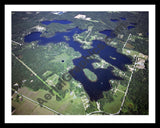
(21, 74)
(137, 98)
(141, 46)
(108, 98)
(92, 107)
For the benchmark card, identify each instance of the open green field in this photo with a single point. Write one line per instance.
(70, 104)
(115, 105)
(122, 88)
(27, 107)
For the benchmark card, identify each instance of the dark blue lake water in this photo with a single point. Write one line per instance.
(114, 20)
(133, 23)
(130, 27)
(122, 18)
(56, 21)
(93, 89)
(109, 33)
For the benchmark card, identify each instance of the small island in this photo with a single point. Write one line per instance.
(90, 75)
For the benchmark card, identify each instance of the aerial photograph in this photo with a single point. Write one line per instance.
(80, 63)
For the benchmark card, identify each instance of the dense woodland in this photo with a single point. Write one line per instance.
(137, 99)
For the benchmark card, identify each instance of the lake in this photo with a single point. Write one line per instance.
(93, 89)
(114, 20)
(130, 27)
(122, 18)
(108, 33)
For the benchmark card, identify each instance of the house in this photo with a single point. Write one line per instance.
(140, 63)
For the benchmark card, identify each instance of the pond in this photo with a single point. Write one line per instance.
(114, 20)
(108, 33)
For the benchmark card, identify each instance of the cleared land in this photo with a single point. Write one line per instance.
(70, 105)
(27, 107)
(114, 106)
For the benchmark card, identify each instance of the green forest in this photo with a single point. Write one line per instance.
(137, 101)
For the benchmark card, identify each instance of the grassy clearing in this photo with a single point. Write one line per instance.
(70, 104)
(42, 111)
(27, 107)
(28, 92)
(115, 105)
(47, 73)
(60, 57)
(121, 87)
(24, 108)
(52, 80)
(128, 45)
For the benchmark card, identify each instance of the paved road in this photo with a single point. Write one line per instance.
(126, 41)
(89, 32)
(123, 97)
(126, 90)
(38, 103)
(36, 75)
(16, 42)
(98, 112)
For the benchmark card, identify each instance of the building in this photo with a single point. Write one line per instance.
(140, 63)
(79, 16)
